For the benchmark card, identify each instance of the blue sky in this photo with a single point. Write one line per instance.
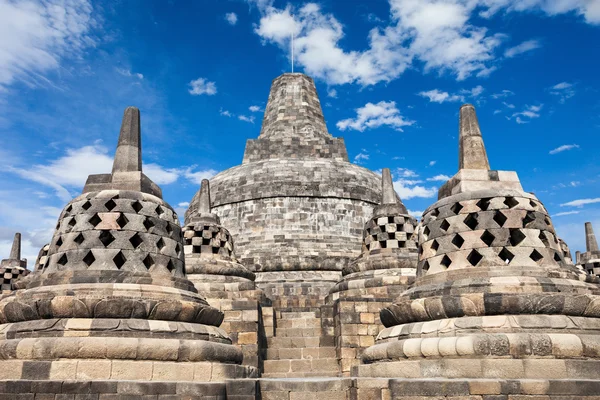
(391, 75)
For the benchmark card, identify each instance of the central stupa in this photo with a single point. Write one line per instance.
(295, 205)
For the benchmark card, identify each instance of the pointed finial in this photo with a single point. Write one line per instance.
(387, 188)
(590, 239)
(15, 251)
(472, 153)
(128, 156)
(204, 203)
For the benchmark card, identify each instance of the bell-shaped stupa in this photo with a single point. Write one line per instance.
(13, 267)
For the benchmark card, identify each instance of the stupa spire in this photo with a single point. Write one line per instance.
(472, 154)
(15, 251)
(204, 203)
(591, 244)
(387, 188)
(128, 157)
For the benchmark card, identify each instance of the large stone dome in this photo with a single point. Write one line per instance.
(296, 203)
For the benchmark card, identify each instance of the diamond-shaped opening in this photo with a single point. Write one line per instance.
(148, 224)
(500, 218)
(95, 220)
(446, 261)
(215, 250)
(72, 222)
(86, 206)
(136, 240)
(148, 261)
(390, 219)
(68, 209)
(177, 248)
(458, 241)
(59, 241)
(89, 258)
(516, 237)
(483, 204)
(557, 257)
(425, 266)
(456, 208)
(506, 256)
(435, 245)
(532, 203)
(536, 255)
(435, 212)
(119, 260)
(137, 206)
(471, 221)
(511, 202)
(110, 205)
(445, 225)
(426, 231)
(487, 238)
(170, 266)
(528, 218)
(196, 249)
(547, 221)
(544, 239)
(169, 229)
(160, 244)
(63, 260)
(474, 257)
(79, 239)
(122, 220)
(106, 238)
(159, 210)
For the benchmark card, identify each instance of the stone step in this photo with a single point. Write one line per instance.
(297, 332)
(299, 368)
(299, 323)
(321, 388)
(299, 342)
(301, 354)
(299, 314)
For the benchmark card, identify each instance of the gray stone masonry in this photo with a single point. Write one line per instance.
(472, 154)
(13, 267)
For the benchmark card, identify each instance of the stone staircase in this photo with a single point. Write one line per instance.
(299, 348)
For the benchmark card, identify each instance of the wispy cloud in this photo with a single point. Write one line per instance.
(502, 94)
(438, 96)
(528, 113)
(563, 90)
(581, 202)
(560, 214)
(225, 113)
(245, 118)
(372, 116)
(231, 18)
(255, 109)
(127, 72)
(407, 185)
(438, 178)
(564, 147)
(202, 86)
(197, 176)
(37, 36)
(362, 156)
(332, 93)
(522, 48)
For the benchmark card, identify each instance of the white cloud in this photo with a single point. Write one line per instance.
(160, 175)
(232, 18)
(406, 191)
(432, 163)
(36, 36)
(438, 178)
(373, 116)
(476, 91)
(437, 96)
(128, 73)
(589, 9)
(560, 214)
(197, 176)
(202, 86)
(225, 113)
(581, 202)
(332, 93)
(502, 94)
(183, 204)
(564, 147)
(497, 112)
(363, 155)
(508, 105)
(416, 214)
(255, 109)
(522, 48)
(529, 112)
(563, 90)
(246, 119)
